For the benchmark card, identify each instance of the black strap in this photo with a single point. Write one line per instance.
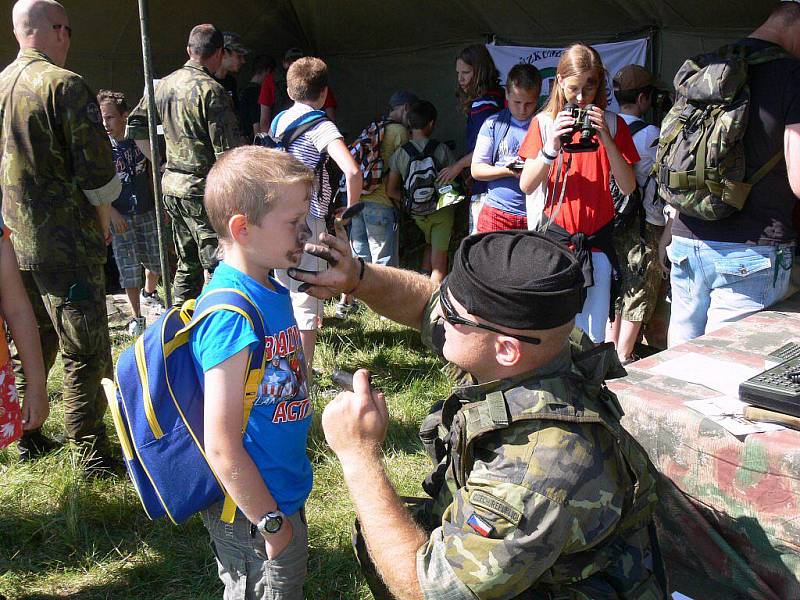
(636, 126)
(291, 134)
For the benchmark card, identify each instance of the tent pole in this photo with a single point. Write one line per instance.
(155, 162)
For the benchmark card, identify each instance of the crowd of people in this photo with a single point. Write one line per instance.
(537, 488)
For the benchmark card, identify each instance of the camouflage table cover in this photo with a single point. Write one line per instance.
(729, 519)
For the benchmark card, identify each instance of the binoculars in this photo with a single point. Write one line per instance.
(587, 141)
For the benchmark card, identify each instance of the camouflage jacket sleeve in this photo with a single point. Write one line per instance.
(223, 126)
(539, 492)
(136, 126)
(89, 147)
(432, 329)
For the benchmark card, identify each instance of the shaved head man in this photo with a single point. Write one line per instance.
(58, 182)
(43, 25)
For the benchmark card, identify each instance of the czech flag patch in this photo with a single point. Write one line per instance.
(480, 525)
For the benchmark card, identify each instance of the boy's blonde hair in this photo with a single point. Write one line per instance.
(247, 181)
(306, 79)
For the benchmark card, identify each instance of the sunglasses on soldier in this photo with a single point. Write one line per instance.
(451, 316)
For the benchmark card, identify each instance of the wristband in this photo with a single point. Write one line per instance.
(360, 276)
(548, 159)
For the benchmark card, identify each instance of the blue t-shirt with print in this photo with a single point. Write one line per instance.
(278, 426)
(503, 194)
(136, 197)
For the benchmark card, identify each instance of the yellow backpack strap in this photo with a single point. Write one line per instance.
(251, 385)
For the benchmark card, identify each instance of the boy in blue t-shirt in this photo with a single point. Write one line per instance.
(134, 235)
(257, 200)
(495, 158)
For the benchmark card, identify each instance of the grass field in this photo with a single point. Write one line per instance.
(65, 536)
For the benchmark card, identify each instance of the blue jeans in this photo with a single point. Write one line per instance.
(594, 315)
(373, 234)
(714, 283)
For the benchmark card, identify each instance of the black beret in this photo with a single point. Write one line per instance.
(517, 279)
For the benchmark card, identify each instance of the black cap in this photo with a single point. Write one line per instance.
(517, 279)
(234, 43)
(402, 97)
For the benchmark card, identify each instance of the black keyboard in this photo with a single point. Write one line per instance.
(775, 389)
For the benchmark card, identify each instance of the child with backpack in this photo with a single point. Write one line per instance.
(306, 132)
(373, 232)
(257, 200)
(414, 168)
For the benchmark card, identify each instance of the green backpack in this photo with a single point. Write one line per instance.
(699, 164)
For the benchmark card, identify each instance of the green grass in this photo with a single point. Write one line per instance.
(63, 535)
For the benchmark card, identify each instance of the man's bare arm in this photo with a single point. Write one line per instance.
(397, 294)
(791, 150)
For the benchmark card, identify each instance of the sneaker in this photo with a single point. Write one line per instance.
(137, 326)
(34, 444)
(342, 309)
(150, 299)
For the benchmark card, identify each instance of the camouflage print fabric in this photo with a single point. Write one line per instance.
(538, 492)
(700, 163)
(199, 124)
(195, 245)
(70, 310)
(54, 157)
(729, 517)
(640, 273)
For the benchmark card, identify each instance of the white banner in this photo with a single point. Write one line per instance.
(615, 56)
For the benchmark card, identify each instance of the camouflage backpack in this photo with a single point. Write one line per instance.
(700, 166)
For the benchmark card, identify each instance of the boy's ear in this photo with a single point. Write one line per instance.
(237, 228)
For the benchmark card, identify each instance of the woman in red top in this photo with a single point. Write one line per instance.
(574, 186)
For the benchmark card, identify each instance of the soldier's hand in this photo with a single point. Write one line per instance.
(355, 422)
(343, 269)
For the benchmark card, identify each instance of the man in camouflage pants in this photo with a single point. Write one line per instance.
(199, 125)
(58, 181)
(537, 491)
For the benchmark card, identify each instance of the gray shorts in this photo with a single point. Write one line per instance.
(136, 246)
(242, 562)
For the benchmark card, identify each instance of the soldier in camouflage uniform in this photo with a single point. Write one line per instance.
(538, 492)
(58, 181)
(199, 125)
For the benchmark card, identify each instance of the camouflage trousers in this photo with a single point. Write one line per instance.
(640, 279)
(195, 245)
(70, 310)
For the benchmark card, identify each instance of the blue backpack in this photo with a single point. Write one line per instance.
(157, 408)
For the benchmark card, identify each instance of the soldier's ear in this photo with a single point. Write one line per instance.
(508, 351)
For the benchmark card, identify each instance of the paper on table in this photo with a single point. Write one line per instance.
(720, 375)
(728, 412)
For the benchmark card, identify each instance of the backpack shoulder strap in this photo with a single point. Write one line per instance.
(234, 300)
(430, 150)
(411, 149)
(300, 125)
(611, 122)
(637, 126)
(503, 122)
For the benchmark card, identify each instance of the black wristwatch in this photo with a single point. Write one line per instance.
(271, 523)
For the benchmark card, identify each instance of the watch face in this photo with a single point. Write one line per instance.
(273, 524)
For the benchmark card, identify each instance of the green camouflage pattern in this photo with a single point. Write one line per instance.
(729, 516)
(195, 244)
(199, 124)
(53, 147)
(70, 310)
(640, 273)
(700, 165)
(543, 461)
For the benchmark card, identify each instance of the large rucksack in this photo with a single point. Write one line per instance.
(157, 407)
(700, 164)
(419, 184)
(628, 206)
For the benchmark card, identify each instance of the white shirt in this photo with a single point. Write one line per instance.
(643, 140)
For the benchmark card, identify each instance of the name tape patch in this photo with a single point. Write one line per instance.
(481, 499)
